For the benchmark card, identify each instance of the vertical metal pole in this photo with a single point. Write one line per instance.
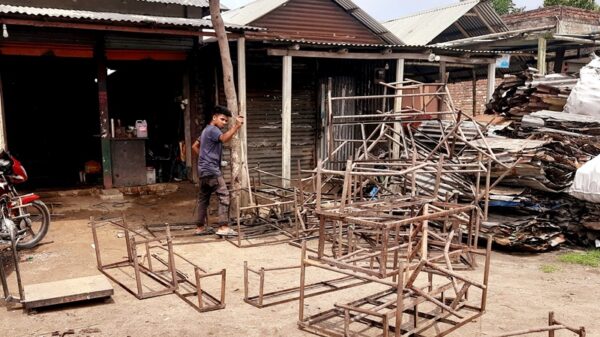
(302, 279)
(172, 268)
(261, 286)
(96, 248)
(3, 278)
(400, 300)
(136, 268)
(245, 280)
(551, 323)
(198, 287)
(486, 272)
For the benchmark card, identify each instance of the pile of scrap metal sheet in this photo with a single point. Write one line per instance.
(521, 94)
(538, 214)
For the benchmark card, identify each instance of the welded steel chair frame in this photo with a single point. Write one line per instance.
(266, 299)
(270, 231)
(170, 285)
(404, 296)
(204, 301)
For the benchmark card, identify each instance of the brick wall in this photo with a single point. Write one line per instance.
(462, 95)
(573, 20)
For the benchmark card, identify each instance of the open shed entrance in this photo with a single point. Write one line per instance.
(51, 111)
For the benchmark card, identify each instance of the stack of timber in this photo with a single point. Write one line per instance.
(522, 94)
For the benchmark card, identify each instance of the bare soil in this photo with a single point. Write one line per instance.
(520, 295)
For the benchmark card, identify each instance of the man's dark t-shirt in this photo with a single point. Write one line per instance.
(211, 148)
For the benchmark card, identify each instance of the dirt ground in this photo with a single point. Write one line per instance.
(520, 295)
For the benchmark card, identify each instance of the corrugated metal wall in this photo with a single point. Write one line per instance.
(264, 80)
(264, 114)
(315, 20)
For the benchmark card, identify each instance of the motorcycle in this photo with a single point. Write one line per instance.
(24, 219)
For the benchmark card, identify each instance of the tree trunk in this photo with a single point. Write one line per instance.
(232, 101)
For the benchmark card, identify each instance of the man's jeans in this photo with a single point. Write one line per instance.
(208, 186)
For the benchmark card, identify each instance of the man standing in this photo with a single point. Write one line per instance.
(209, 148)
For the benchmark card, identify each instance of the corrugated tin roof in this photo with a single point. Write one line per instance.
(114, 17)
(253, 11)
(192, 3)
(422, 27)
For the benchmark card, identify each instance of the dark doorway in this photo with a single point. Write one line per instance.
(51, 111)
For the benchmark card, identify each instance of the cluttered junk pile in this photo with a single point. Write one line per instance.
(551, 124)
(396, 203)
(404, 219)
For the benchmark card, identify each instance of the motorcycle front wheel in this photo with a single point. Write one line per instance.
(36, 224)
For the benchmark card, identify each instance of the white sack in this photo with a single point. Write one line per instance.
(586, 185)
(585, 97)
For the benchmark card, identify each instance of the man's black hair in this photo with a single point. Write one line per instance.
(221, 110)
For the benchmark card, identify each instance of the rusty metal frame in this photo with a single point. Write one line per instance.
(8, 297)
(262, 299)
(385, 310)
(553, 326)
(176, 281)
(132, 260)
(204, 300)
(270, 231)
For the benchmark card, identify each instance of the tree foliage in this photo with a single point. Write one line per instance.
(503, 7)
(585, 4)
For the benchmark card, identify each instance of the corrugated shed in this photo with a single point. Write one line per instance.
(193, 3)
(259, 9)
(113, 17)
(421, 28)
(251, 12)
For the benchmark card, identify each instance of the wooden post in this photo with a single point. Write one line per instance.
(442, 72)
(398, 107)
(3, 140)
(541, 56)
(187, 124)
(231, 95)
(101, 74)
(243, 134)
(559, 60)
(491, 85)
(286, 122)
(474, 92)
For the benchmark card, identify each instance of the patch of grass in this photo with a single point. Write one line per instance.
(590, 258)
(549, 268)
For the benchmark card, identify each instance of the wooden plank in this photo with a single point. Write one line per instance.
(67, 291)
(541, 59)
